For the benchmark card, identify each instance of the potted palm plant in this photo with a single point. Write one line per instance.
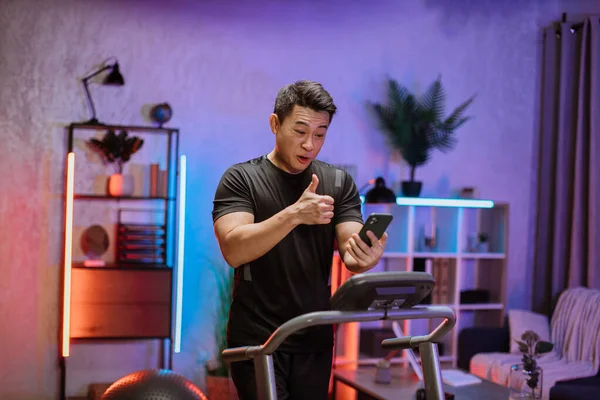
(218, 381)
(117, 149)
(414, 126)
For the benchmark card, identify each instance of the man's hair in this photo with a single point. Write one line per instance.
(304, 93)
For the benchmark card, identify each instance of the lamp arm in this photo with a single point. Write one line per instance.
(87, 93)
(89, 101)
(87, 78)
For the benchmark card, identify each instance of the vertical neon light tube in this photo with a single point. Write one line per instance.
(66, 323)
(180, 251)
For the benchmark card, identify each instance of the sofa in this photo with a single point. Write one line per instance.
(570, 370)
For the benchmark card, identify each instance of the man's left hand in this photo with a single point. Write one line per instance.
(365, 256)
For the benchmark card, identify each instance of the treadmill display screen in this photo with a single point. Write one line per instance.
(382, 290)
(395, 290)
(381, 304)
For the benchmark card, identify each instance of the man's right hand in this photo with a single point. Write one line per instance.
(313, 209)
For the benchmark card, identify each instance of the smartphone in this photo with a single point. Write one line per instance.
(376, 223)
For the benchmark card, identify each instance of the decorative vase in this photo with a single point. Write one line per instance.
(383, 374)
(120, 185)
(411, 188)
(429, 237)
(525, 384)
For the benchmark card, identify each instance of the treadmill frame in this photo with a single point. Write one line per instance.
(432, 378)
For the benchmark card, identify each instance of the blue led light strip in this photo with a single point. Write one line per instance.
(180, 253)
(434, 202)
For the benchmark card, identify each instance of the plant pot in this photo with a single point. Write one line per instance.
(411, 188)
(120, 185)
(220, 388)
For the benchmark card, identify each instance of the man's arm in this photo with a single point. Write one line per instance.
(241, 240)
(355, 253)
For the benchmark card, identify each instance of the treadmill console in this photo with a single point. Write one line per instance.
(382, 290)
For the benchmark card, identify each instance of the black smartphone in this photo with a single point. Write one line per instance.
(376, 223)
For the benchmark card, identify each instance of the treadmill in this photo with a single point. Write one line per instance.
(370, 296)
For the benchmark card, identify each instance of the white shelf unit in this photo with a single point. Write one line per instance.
(485, 270)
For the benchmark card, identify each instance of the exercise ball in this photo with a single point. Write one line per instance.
(153, 384)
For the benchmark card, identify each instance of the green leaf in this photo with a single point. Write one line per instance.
(224, 279)
(456, 118)
(116, 148)
(432, 102)
(523, 347)
(543, 347)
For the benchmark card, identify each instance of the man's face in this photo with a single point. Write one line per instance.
(298, 140)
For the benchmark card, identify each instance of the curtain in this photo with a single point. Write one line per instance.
(567, 227)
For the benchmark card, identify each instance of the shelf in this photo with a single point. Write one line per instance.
(433, 254)
(124, 299)
(131, 128)
(458, 262)
(486, 256)
(106, 197)
(112, 266)
(469, 307)
(395, 254)
(481, 306)
(112, 339)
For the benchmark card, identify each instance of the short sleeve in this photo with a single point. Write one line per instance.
(232, 194)
(348, 204)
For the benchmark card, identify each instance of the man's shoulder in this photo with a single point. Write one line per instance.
(250, 163)
(326, 167)
(246, 166)
(336, 174)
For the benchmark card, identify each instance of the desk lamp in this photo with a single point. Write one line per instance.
(114, 78)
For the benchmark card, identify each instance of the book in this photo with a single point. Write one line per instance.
(456, 378)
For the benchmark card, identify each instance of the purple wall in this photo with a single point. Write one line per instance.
(220, 64)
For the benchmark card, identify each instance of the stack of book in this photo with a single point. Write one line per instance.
(141, 244)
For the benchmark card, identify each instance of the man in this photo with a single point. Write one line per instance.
(276, 218)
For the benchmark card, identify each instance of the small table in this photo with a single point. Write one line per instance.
(404, 385)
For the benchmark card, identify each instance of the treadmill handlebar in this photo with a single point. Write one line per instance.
(296, 324)
(337, 317)
(435, 336)
(239, 353)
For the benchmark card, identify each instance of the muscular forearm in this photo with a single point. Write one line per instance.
(353, 266)
(248, 242)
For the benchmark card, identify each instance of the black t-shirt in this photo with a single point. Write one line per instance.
(293, 278)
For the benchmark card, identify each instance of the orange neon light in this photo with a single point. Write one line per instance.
(66, 324)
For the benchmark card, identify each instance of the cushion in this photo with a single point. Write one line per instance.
(520, 321)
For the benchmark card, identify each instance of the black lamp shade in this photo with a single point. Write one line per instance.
(114, 77)
(380, 193)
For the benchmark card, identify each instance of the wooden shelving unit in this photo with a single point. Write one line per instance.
(460, 266)
(121, 301)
